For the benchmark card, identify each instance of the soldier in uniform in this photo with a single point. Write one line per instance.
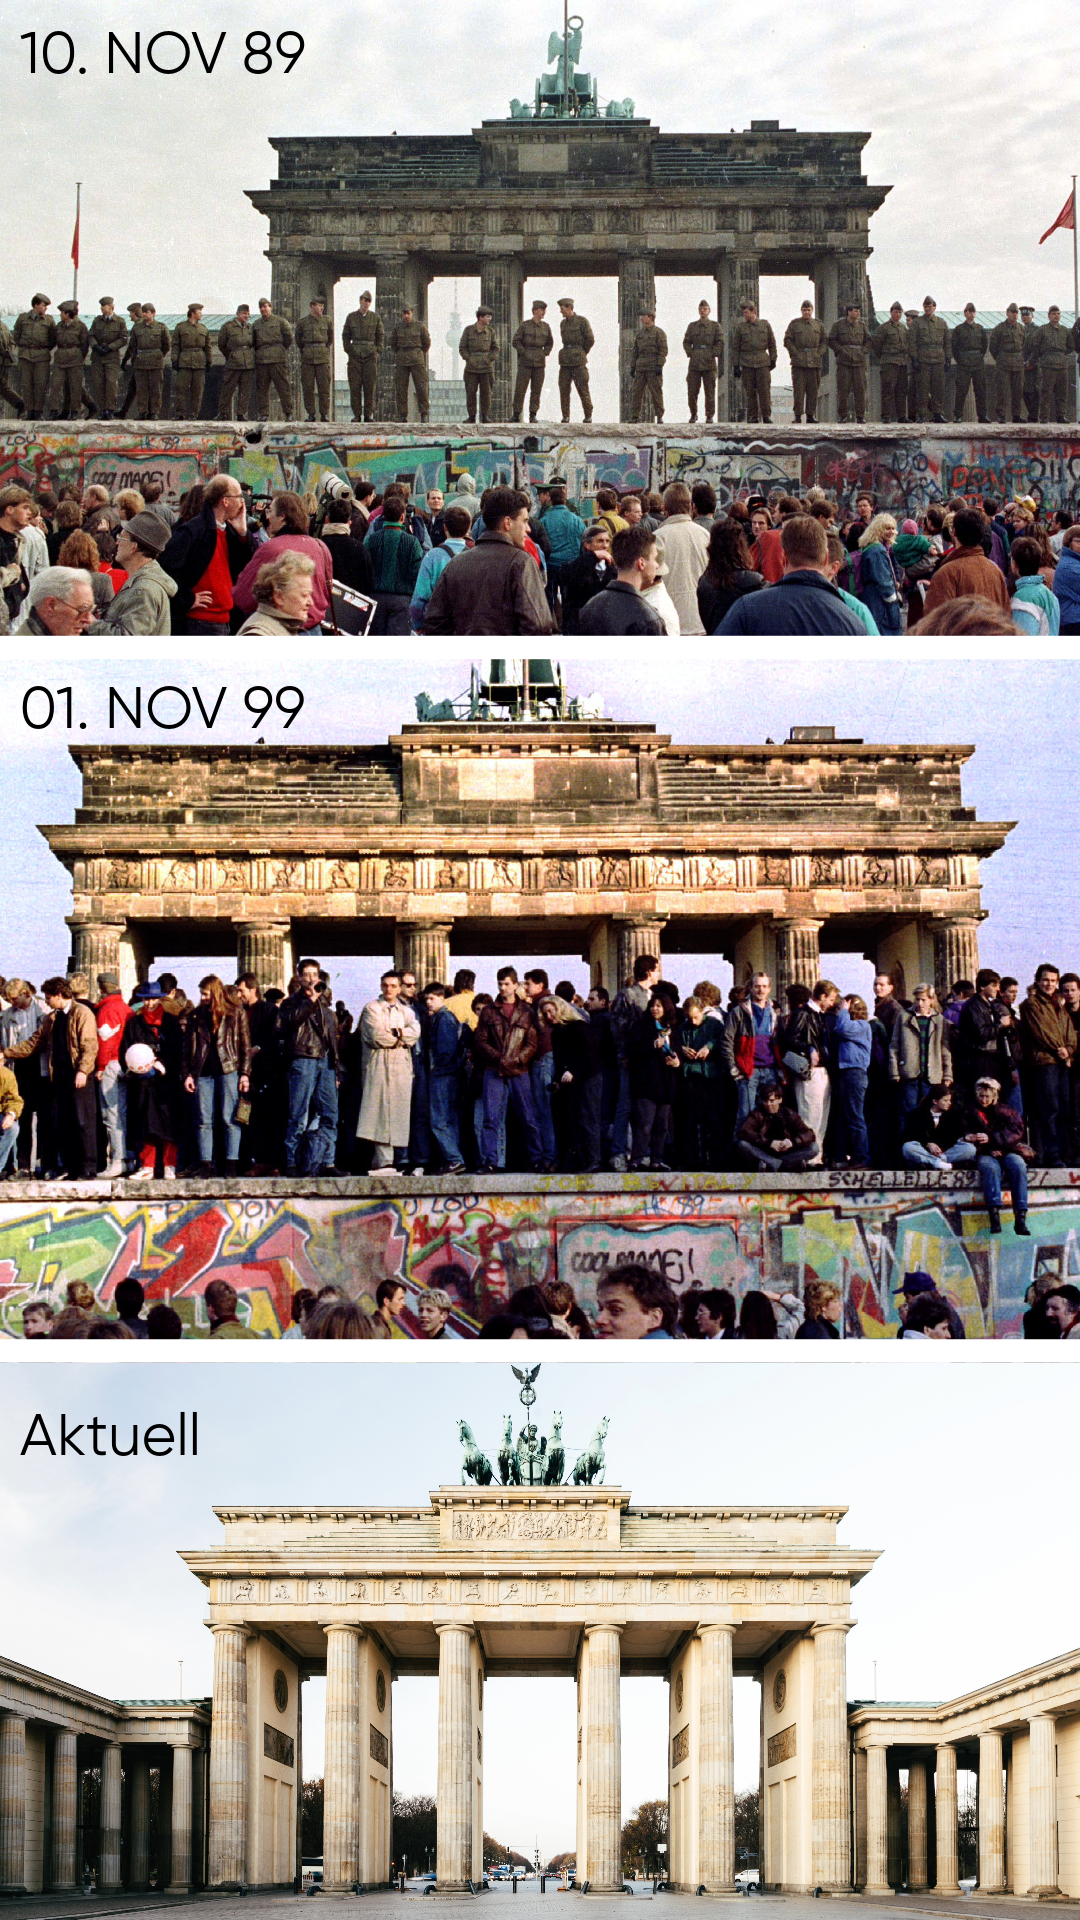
(135, 309)
(969, 355)
(236, 345)
(149, 346)
(1007, 351)
(578, 341)
(911, 314)
(362, 338)
(933, 351)
(35, 337)
(703, 345)
(69, 361)
(753, 347)
(532, 343)
(807, 346)
(479, 348)
(410, 344)
(191, 351)
(1031, 371)
(890, 345)
(850, 343)
(273, 337)
(1051, 351)
(7, 359)
(314, 337)
(108, 338)
(646, 366)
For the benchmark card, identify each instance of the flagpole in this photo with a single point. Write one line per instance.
(78, 209)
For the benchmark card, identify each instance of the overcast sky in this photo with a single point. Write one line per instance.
(977, 1579)
(969, 141)
(1021, 718)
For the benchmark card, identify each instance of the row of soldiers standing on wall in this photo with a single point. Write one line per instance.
(63, 366)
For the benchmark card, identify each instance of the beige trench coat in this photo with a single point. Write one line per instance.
(388, 1034)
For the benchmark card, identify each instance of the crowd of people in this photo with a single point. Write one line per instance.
(438, 1078)
(512, 560)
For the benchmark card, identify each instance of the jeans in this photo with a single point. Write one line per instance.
(419, 1152)
(478, 1129)
(217, 1093)
(1015, 1172)
(76, 1111)
(112, 1097)
(775, 1162)
(311, 1135)
(8, 1139)
(442, 1093)
(911, 1092)
(541, 1075)
(497, 1092)
(851, 1086)
(916, 1155)
(620, 1126)
(747, 1092)
(1049, 1091)
(651, 1126)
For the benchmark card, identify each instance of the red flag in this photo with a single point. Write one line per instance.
(75, 244)
(1066, 218)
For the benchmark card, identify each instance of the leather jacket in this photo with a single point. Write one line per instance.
(233, 1041)
(506, 1039)
(308, 1029)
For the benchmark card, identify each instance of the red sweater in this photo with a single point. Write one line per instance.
(113, 1014)
(219, 580)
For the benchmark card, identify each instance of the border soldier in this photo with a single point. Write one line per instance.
(532, 343)
(273, 337)
(850, 343)
(35, 338)
(969, 345)
(69, 363)
(578, 341)
(753, 347)
(7, 359)
(1031, 371)
(362, 337)
(647, 359)
(933, 351)
(703, 345)
(314, 337)
(479, 348)
(807, 345)
(1007, 346)
(1051, 353)
(191, 353)
(410, 344)
(127, 402)
(108, 338)
(236, 344)
(890, 346)
(150, 346)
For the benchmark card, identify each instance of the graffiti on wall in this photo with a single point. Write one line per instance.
(480, 1247)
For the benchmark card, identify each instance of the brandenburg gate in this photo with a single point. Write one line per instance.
(508, 837)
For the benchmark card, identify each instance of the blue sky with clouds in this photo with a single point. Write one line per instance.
(954, 1471)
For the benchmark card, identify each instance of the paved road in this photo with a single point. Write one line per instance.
(388, 1906)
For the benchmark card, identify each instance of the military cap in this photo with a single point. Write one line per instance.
(969, 306)
(911, 313)
(106, 300)
(148, 306)
(195, 306)
(243, 307)
(853, 306)
(317, 300)
(366, 295)
(648, 313)
(69, 306)
(39, 297)
(929, 301)
(488, 310)
(1012, 307)
(542, 304)
(1027, 309)
(566, 301)
(135, 306)
(896, 307)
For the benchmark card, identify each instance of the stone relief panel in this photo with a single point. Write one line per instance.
(878, 871)
(775, 870)
(560, 875)
(378, 1746)
(781, 1746)
(481, 1526)
(343, 876)
(452, 876)
(278, 1746)
(178, 876)
(668, 871)
(124, 874)
(612, 872)
(680, 1746)
(396, 876)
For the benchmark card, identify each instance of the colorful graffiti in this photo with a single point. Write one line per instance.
(902, 467)
(479, 1247)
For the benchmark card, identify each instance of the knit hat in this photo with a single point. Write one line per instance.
(149, 530)
(109, 982)
(910, 526)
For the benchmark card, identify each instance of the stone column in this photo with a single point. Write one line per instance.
(341, 1817)
(180, 1872)
(502, 288)
(95, 948)
(945, 1804)
(827, 309)
(260, 949)
(636, 934)
(956, 951)
(877, 1820)
(109, 1867)
(229, 1759)
(1042, 1809)
(389, 299)
(851, 285)
(916, 1822)
(830, 1793)
(716, 1762)
(65, 1802)
(603, 1735)
(454, 1863)
(738, 281)
(12, 1804)
(637, 290)
(798, 957)
(896, 1849)
(287, 272)
(423, 948)
(991, 1816)
(139, 1848)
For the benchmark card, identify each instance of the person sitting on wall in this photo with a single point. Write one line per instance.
(772, 1136)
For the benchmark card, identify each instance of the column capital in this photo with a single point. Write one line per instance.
(261, 922)
(803, 921)
(232, 1626)
(343, 1626)
(604, 1626)
(833, 1626)
(456, 1626)
(729, 1627)
(436, 925)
